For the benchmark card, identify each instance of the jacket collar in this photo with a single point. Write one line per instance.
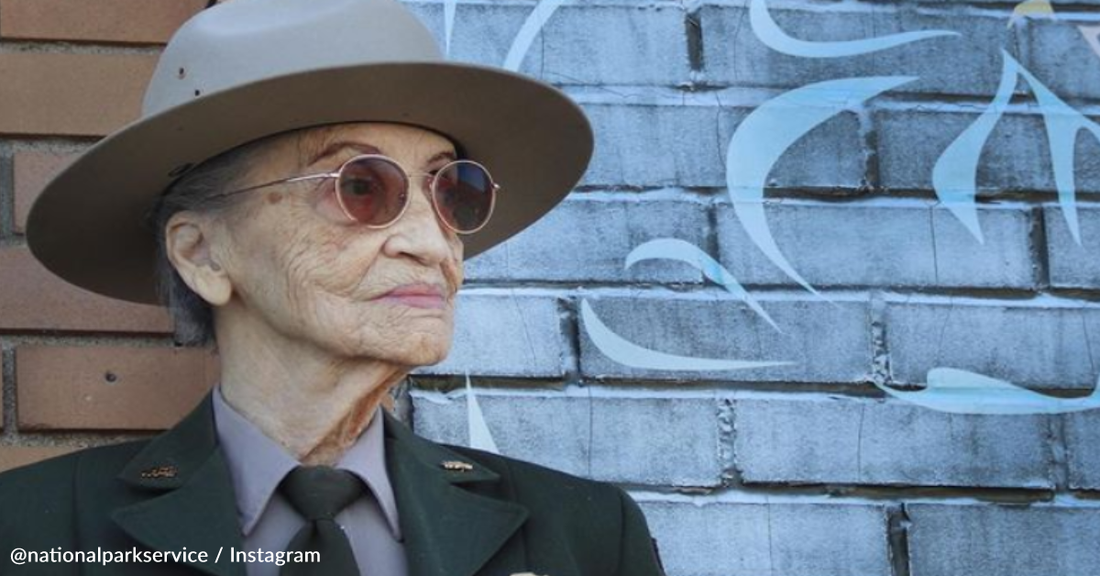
(449, 529)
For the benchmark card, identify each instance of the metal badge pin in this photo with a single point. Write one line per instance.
(160, 472)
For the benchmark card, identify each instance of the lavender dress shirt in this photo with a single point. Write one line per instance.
(268, 522)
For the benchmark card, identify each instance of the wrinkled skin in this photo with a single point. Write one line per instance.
(308, 349)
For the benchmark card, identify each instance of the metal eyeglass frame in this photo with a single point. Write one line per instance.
(407, 175)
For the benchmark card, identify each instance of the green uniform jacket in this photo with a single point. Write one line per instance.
(496, 517)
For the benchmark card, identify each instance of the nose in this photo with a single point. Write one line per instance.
(418, 233)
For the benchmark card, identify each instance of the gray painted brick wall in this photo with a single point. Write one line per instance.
(1022, 342)
(807, 469)
(712, 324)
(1031, 541)
(1073, 265)
(593, 235)
(505, 332)
(1082, 432)
(907, 243)
(843, 440)
(751, 538)
(659, 139)
(743, 60)
(607, 437)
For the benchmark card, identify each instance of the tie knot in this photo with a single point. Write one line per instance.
(318, 492)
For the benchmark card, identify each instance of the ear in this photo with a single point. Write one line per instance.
(189, 246)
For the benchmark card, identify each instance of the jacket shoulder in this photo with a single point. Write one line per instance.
(57, 472)
(607, 527)
(38, 499)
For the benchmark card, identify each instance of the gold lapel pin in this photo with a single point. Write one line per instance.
(160, 472)
(457, 465)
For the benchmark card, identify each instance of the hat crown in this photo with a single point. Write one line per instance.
(247, 69)
(246, 41)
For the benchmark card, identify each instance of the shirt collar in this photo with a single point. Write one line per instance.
(258, 464)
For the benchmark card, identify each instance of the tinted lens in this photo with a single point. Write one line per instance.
(464, 195)
(373, 190)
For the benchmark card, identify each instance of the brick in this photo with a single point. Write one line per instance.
(947, 540)
(551, 430)
(981, 3)
(881, 244)
(109, 388)
(587, 238)
(32, 171)
(54, 94)
(1003, 260)
(1060, 56)
(1015, 158)
(647, 43)
(611, 438)
(818, 440)
(505, 333)
(122, 21)
(1082, 434)
(16, 456)
(628, 434)
(734, 55)
(694, 132)
(33, 298)
(1043, 345)
(1073, 265)
(748, 539)
(713, 324)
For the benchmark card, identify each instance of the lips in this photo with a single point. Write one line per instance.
(418, 295)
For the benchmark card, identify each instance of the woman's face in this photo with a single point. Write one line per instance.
(300, 269)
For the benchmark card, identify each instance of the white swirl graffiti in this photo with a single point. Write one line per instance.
(776, 125)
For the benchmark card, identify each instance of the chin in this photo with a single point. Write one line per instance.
(417, 349)
(420, 357)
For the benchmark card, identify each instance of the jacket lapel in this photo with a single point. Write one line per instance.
(192, 503)
(449, 529)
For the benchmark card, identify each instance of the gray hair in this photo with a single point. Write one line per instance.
(198, 190)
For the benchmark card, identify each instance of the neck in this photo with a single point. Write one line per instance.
(313, 403)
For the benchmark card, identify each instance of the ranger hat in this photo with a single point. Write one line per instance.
(246, 69)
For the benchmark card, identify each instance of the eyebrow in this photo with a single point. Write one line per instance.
(339, 146)
(342, 145)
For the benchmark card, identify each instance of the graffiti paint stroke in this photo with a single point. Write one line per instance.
(773, 127)
(769, 32)
(1092, 36)
(1062, 123)
(448, 24)
(955, 175)
(964, 392)
(480, 437)
(683, 251)
(529, 31)
(627, 353)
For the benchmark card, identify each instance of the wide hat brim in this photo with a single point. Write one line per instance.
(89, 225)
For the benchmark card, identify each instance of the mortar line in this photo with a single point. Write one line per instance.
(7, 355)
(897, 538)
(7, 190)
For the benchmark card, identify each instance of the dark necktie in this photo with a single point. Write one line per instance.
(319, 493)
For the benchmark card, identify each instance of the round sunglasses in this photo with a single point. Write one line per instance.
(373, 190)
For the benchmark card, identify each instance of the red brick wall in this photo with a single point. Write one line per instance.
(78, 369)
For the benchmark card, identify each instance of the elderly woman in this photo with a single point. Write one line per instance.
(315, 175)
